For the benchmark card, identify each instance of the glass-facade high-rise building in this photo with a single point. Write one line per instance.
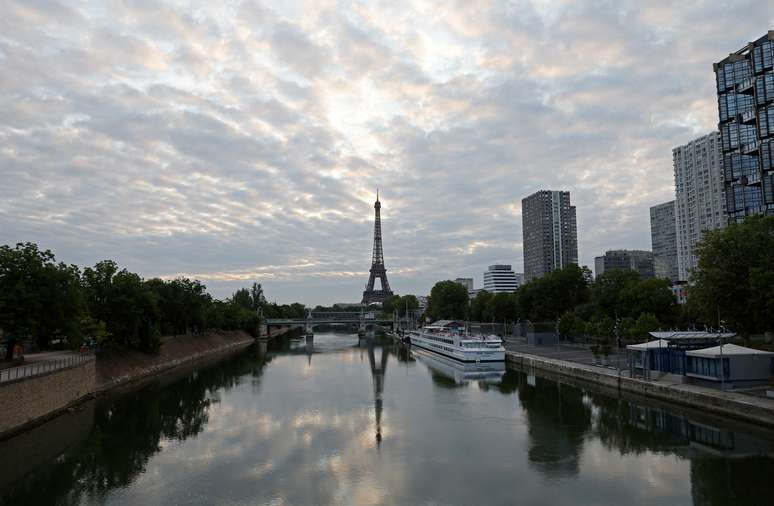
(745, 85)
(699, 196)
(663, 237)
(550, 233)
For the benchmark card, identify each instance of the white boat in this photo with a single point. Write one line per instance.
(446, 339)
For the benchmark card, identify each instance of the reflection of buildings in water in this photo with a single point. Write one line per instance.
(377, 375)
(460, 373)
(557, 422)
(727, 466)
(702, 438)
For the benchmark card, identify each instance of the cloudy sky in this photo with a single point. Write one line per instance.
(240, 141)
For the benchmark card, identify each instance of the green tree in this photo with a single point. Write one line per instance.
(602, 330)
(568, 323)
(646, 323)
(619, 293)
(256, 296)
(734, 280)
(480, 307)
(503, 307)
(546, 298)
(39, 299)
(389, 305)
(607, 292)
(653, 296)
(448, 300)
(407, 303)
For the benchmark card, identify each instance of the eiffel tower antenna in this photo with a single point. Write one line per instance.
(377, 263)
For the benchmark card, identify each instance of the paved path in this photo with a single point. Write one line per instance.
(41, 363)
(577, 353)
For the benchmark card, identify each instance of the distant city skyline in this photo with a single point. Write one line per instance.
(241, 143)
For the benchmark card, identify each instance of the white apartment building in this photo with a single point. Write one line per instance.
(500, 278)
(700, 202)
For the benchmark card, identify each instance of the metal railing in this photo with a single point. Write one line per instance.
(42, 367)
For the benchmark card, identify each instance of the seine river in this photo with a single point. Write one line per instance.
(343, 421)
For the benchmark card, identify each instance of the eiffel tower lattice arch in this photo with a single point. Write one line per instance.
(377, 263)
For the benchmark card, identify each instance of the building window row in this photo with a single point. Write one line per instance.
(731, 104)
(766, 120)
(762, 56)
(764, 89)
(732, 73)
(735, 135)
(737, 165)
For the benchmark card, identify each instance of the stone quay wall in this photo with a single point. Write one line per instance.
(32, 399)
(728, 404)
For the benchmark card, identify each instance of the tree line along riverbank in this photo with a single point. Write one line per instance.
(44, 303)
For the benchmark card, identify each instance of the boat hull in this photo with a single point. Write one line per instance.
(464, 356)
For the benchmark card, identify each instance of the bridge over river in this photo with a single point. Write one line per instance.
(314, 318)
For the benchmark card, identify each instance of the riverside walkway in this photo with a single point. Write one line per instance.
(578, 363)
(577, 353)
(36, 364)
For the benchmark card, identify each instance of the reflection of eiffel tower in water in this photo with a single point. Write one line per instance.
(377, 375)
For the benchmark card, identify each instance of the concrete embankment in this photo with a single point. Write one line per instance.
(728, 404)
(119, 369)
(31, 400)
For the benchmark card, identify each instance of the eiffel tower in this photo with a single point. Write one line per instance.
(377, 264)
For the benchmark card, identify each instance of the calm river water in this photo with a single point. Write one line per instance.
(342, 421)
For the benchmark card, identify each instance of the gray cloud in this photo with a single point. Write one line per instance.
(243, 141)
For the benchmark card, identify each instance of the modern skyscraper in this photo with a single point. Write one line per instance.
(550, 233)
(636, 260)
(500, 278)
(663, 237)
(700, 201)
(745, 85)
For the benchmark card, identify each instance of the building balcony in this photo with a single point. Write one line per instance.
(748, 117)
(748, 149)
(751, 180)
(747, 86)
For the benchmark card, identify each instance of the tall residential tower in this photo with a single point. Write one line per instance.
(745, 85)
(700, 202)
(663, 237)
(550, 233)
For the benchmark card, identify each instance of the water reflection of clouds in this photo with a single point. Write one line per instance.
(278, 447)
(311, 440)
(666, 474)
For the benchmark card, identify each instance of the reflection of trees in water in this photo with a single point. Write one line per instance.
(402, 352)
(127, 432)
(738, 482)
(557, 420)
(727, 466)
(630, 428)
